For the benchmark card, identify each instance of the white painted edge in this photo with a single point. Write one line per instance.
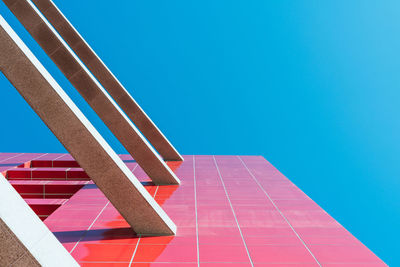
(30, 230)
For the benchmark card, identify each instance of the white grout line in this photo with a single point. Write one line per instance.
(20, 154)
(280, 212)
(137, 244)
(59, 157)
(234, 214)
(134, 252)
(155, 192)
(66, 173)
(90, 226)
(195, 207)
(40, 156)
(134, 167)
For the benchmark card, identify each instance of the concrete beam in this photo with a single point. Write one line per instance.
(79, 137)
(24, 239)
(108, 80)
(96, 96)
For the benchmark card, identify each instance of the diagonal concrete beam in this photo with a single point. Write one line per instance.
(24, 238)
(96, 96)
(108, 80)
(79, 137)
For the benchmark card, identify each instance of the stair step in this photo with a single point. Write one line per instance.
(47, 189)
(44, 207)
(54, 164)
(47, 174)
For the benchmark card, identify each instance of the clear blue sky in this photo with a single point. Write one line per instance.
(313, 86)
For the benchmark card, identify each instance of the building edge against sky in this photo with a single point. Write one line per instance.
(245, 200)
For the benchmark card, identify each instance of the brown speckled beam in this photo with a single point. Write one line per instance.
(96, 96)
(79, 137)
(108, 80)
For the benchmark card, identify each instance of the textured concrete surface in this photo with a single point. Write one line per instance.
(108, 80)
(79, 137)
(96, 96)
(24, 239)
(12, 250)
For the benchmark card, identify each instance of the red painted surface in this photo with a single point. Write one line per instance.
(230, 211)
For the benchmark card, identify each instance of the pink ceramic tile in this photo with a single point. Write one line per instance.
(288, 265)
(296, 205)
(103, 252)
(169, 240)
(366, 264)
(281, 254)
(321, 231)
(267, 231)
(209, 206)
(105, 264)
(165, 264)
(289, 240)
(344, 254)
(111, 236)
(230, 264)
(223, 253)
(310, 218)
(260, 218)
(330, 240)
(212, 235)
(165, 253)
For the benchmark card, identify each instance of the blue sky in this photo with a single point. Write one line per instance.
(313, 86)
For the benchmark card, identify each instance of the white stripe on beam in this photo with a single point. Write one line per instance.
(25, 239)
